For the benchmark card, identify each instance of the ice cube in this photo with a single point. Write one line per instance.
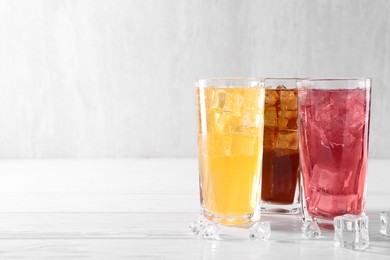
(385, 223)
(356, 121)
(233, 104)
(356, 118)
(288, 119)
(218, 99)
(221, 120)
(209, 231)
(271, 97)
(329, 205)
(351, 231)
(195, 226)
(204, 229)
(249, 119)
(270, 116)
(311, 230)
(326, 115)
(288, 100)
(269, 137)
(260, 231)
(287, 140)
(356, 110)
(243, 129)
(332, 180)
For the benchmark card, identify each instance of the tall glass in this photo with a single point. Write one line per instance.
(333, 139)
(280, 175)
(230, 141)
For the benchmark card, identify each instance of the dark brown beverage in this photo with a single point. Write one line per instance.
(280, 149)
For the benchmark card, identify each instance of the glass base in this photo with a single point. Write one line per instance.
(288, 209)
(231, 220)
(205, 229)
(322, 223)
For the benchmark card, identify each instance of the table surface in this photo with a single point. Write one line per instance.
(141, 209)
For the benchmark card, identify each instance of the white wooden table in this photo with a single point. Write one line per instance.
(141, 209)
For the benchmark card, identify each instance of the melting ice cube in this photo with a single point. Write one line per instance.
(204, 229)
(351, 231)
(311, 230)
(385, 223)
(260, 231)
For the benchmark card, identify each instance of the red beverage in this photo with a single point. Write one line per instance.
(333, 148)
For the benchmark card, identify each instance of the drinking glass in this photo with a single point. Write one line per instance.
(280, 175)
(230, 142)
(334, 117)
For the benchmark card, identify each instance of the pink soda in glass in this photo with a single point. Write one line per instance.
(333, 141)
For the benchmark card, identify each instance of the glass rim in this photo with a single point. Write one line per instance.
(285, 78)
(336, 79)
(238, 82)
(228, 78)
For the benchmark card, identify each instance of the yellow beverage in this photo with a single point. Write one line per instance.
(230, 144)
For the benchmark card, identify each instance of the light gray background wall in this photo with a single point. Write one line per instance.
(99, 78)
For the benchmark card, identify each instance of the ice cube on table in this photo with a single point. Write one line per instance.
(209, 231)
(288, 100)
(351, 231)
(385, 223)
(311, 230)
(195, 226)
(204, 229)
(260, 231)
